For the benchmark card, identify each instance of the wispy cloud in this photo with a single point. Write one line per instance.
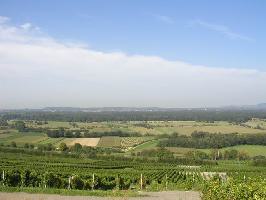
(222, 29)
(163, 18)
(3, 19)
(37, 71)
(28, 26)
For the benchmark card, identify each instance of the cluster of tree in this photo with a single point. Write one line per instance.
(3, 122)
(216, 154)
(161, 153)
(167, 115)
(39, 147)
(61, 132)
(90, 151)
(20, 126)
(205, 140)
(111, 133)
(40, 122)
(76, 148)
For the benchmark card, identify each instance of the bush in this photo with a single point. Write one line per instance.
(77, 183)
(13, 179)
(233, 190)
(52, 180)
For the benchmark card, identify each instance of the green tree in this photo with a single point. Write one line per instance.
(77, 147)
(3, 122)
(20, 126)
(63, 146)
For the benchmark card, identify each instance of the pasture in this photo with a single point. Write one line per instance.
(157, 127)
(145, 128)
(251, 150)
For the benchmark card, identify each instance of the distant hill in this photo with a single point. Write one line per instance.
(261, 106)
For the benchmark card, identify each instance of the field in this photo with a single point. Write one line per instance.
(20, 139)
(251, 150)
(110, 141)
(122, 164)
(133, 141)
(146, 145)
(257, 123)
(157, 127)
(92, 142)
(134, 144)
(53, 171)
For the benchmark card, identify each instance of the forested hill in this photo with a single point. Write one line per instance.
(185, 115)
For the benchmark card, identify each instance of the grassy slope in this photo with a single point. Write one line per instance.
(147, 145)
(251, 150)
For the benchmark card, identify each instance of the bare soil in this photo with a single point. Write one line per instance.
(167, 195)
(92, 142)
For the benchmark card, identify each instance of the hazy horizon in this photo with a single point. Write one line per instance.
(131, 54)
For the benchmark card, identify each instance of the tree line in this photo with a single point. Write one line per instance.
(61, 132)
(172, 115)
(205, 140)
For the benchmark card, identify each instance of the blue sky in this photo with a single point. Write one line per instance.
(170, 29)
(132, 53)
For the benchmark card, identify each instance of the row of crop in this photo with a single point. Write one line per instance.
(103, 181)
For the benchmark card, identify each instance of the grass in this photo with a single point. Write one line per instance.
(149, 127)
(251, 150)
(65, 192)
(53, 141)
(146, 145)
(22, 138)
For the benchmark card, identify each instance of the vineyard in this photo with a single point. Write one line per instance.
(112, 161)
(90, 174)
(29, 171)
(133, 141)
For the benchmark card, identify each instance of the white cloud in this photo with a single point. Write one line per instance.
(226, 31)
(3, 19)
(37, 71)
(26, 26)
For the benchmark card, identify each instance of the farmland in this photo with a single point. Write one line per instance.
(155, 127)
(148, 131)
(72, 157)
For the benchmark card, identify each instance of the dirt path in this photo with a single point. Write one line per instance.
(167, 195)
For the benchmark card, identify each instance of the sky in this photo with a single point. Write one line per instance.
(132, 53)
